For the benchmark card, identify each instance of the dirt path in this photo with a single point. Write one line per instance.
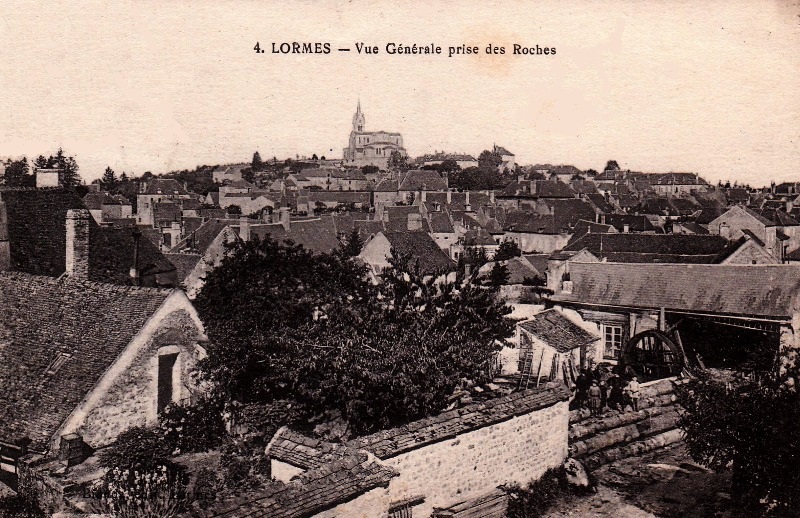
(664, 483)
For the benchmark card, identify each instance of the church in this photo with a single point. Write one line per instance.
(371, 147)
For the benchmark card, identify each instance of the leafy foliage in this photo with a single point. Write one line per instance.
(194, 428)
(17, 174)
(257, 164)
(17, 506)
(353, 245)
(109, 179)
(508, 249)
(499, 274)
(753, 428)
(398, 161)
(158, 492)
(286, 324)
(137, 448)
(537, 497)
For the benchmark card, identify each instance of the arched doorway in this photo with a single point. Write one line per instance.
(653, 355)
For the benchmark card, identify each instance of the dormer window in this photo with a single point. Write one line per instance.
(57, 363)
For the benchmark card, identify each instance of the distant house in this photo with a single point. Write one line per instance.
(422, 250)
(677, 183)
(537, 232)
(230, 173)
(155, 191)
(778, 236)
(523, 192)
(508, 159)
(651, 248)
(463, 161)
(82, 361)
(105, 208)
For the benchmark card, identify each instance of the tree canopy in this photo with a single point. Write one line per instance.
(753, 428)
(508, 249)
(17, 174)
(398, 161)
(286, 324)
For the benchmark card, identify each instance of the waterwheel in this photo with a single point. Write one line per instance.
(653, 355)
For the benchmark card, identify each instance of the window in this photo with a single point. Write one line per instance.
(166, 379)
(612, 340)
(59, 362)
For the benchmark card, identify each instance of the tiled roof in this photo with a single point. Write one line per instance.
(519, 269)
(599, 201)
(440, 222)
(111, 256)
(557, 331)
(165, 186)
(695, 228)
(422, 249)
(318, 235)
(539, 261)
(96, 200)
(648, 248)
(199, 240)
(676, 179)
(44, 317)
(583, 186)
(584, 227)
(184, 263)
(500, 150)
(635, 222)
(166, 211)
(537, 189)
(362, 197)
(315, 491)
(398, 218)
(389, 443)
(386, 185)
(422, 179)
(479, 237)
(760, 290)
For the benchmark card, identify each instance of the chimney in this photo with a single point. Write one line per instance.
(607, 196)
(244, 228)
(626, 228)
(134, 273)
(449, 196)
(284, 218)
(603, 219)
(77, 257)
(5, 245)
(72, 450)
(385, 216)
(491, 197)
(789, 206)
(414, 222)
(467, 270)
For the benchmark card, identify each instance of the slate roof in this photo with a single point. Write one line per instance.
(200, 240)
(362, 197)
(422, 249)
(37, 236)
(649, 248)
(165, 212)
(760, 290)
(386, 185)
(422, 179)
(479, 237)
(539, 261)
(557, 331)
(398, 217)
(390, 443)
(184, 263)
(43, 317)
(583, 186)
(537, 189)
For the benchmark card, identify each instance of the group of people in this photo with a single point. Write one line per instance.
(601, 387)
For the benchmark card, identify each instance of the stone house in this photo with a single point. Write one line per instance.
(418, 245)
(508, 160)
(778, 237)
(156, 191)
(430, 467)
(84, 360)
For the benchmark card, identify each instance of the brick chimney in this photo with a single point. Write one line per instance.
(414, 222)
(5, 245)
(284, 218)
(77, 256)
(244, 228)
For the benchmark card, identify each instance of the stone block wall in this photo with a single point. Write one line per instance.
(471, 464)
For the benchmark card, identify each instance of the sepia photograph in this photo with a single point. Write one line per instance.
(422, 259)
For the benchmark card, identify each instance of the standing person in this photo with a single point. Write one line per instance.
(581, 389)
(594, 398)
(615, 400)
(633, 389)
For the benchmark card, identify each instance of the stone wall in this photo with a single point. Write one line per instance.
(131, 399)
(471, 464)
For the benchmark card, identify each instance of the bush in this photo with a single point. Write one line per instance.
(195, 428)
(137, 448)
(18, 507)
(158, 492)
(538, 496)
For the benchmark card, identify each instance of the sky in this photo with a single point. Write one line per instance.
(709, 87)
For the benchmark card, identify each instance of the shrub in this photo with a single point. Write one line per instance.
(18, 507)
(195, 428)
(137, 448)
(538, 496)
(157, 492)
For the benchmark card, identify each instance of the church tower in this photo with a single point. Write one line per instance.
(358, 118)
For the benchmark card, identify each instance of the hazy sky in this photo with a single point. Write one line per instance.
(710, 87)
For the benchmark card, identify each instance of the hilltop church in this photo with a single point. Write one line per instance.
(371, 147)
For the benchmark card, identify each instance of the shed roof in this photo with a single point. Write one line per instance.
(557, 331)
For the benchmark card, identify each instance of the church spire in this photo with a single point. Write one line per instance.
(358, 118)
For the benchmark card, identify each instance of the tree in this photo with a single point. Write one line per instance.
(508, 249)
(398, 161)
(257, 163)
(611, 165)
(17, 174)
(286, 324)
(591, 173)
(109, 179)
(234, 210)
(40, 162)
(499, 274)
(753, 428)
(314, 157)
(489, 160)
(370, 169)
(69, 168)
(352, 247)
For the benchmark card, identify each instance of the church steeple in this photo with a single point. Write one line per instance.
(358, 118)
